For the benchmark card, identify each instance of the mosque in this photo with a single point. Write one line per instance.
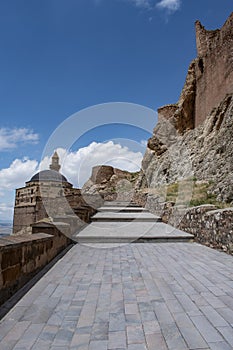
(46, 189)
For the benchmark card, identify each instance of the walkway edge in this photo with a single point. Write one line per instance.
(10, 303)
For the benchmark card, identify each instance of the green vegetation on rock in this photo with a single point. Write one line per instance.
(189, 192)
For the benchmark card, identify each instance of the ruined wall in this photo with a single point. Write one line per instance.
(193, 138)
(209, 78)
(213, 67)
(182, 114)
(108, 183)
(101, 173)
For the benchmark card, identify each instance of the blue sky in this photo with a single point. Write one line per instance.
(59, 57)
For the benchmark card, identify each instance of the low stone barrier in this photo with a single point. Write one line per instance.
(21, 257)
(24, 255)
(209, 225)
(217, 230)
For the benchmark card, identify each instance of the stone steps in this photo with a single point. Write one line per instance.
(122, 209)
(121, 204)
(120, 224)
(125, 216)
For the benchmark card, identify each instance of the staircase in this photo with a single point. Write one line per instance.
(123, 222)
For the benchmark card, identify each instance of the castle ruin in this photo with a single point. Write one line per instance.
(209, 78)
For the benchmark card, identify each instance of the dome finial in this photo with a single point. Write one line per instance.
(55, 162)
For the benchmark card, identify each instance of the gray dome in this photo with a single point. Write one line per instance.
(48, 175)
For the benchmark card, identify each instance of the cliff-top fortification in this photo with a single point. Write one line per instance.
(193, 138)
(209, 78)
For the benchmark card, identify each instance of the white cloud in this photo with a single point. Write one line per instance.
(76, 166)
(142, 3)
(144, 143)
(12, 178)
(170, 5)
(18, 172)
(10, 138)
(138, 3)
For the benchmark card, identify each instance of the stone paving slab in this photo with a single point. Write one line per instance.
(120, 231)
(125, 216)
(120, 204)
(173, 296)
(122, 209)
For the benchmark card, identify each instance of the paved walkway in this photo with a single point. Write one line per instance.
(136, 296)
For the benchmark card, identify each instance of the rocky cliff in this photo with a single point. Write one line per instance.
(193, 138)
(110, 183)
(204, 153)
(209, 78)
(192, 142)
(200, 155)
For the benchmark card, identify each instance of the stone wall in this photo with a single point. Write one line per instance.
(213, 228)
(209, 225)
(23, 217)
(213, 67)
(209, 78)
(21, 257)
(75, 203)
(182, 114)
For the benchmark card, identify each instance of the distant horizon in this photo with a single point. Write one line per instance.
(2, 221)
(6, 228)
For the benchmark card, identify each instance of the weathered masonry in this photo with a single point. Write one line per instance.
(209, 78)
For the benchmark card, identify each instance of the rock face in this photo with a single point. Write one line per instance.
(209, 78)
(193, 138)
(204, 153)
(214, 67)
(182, 113)
(110, 183)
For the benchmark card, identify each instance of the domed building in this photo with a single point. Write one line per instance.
(46, 185)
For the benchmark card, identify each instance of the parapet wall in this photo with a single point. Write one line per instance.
(209, 225)
(213, 228)
(21, 257)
